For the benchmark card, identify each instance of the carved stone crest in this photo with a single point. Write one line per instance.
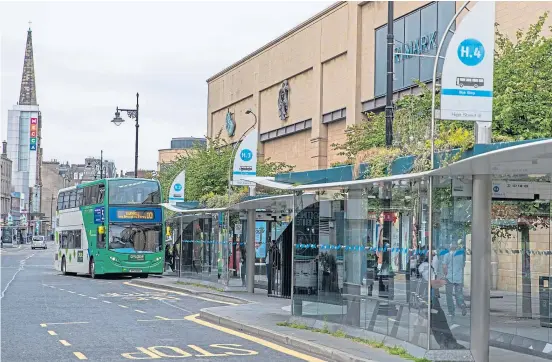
(230, 123)
(283, 100)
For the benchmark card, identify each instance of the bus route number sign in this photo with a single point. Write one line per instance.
(136, 214)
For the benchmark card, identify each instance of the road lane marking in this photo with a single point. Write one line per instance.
(162, 318)
(194, 318)
(64, 342)
(123, 306)
(180, 293)
(21, 267)
(63, 323)
(106, 301)
(61, 289)
(52, 333)
(140, 311)
(79, 355)
(82, 295)
(71, 292)
(92, 298)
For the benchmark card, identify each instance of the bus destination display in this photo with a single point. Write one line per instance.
(135, 214)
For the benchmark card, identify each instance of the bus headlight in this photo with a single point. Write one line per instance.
(114, 259)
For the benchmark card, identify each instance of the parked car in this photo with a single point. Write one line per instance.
(39, 242)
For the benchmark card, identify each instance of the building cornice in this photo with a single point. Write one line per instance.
(299, 27)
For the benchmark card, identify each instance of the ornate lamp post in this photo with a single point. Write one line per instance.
(133, 114)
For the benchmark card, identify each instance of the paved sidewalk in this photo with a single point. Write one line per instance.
(257, 314)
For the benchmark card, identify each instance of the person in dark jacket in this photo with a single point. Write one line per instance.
(168, 255)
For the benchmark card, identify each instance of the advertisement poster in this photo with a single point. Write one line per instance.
(260, 239)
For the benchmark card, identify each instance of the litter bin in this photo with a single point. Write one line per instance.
(545, 305)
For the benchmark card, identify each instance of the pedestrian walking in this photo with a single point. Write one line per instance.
(243, 265)
(438, 321)
(453, 268)
(275, 260)
(168, 257)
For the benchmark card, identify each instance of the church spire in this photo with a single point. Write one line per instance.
(27, 95)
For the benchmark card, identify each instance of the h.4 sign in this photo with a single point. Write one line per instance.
(471, 52)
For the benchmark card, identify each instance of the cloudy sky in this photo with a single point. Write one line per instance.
(92, 56)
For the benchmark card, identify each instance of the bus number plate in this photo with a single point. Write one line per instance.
(135, 270)
(136, 257)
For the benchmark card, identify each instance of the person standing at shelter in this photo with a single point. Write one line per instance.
(453, 268)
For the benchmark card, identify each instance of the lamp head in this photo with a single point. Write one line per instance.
(117, 120)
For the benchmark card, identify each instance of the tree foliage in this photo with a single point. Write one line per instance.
(365, 141)
(207, 170)
(522, 110)
(522, 105)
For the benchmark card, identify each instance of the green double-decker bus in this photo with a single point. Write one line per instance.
(110, 226)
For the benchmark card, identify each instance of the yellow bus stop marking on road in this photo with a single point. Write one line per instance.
(262, 342)
(64, 342)
(79, 355)
(52, 333)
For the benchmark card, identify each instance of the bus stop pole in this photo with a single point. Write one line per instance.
(180, 249)
(250, 247)
(481, 256)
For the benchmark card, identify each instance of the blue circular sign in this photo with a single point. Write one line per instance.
(496, 188)
(471, 52)
(246, 155)
(177, 187)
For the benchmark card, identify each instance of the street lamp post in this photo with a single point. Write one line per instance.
(133, 114)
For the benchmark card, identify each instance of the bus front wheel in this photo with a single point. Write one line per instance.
(144, 275)
(93, 269)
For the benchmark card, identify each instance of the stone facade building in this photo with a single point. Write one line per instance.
(179, 147)
(312, 82)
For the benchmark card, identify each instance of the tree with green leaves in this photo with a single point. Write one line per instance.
(207, 170)
(522, 105)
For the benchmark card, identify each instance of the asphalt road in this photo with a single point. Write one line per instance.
(46, 316)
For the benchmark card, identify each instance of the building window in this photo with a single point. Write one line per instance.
(186, 143)
(417, 33)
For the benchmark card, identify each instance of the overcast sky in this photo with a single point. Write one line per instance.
(92, 56)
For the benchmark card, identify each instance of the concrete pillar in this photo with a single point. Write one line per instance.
(481, 256)
(250, 247)
(354, 60)
(319, 131)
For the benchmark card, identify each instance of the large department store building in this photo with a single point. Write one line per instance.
(330, 70)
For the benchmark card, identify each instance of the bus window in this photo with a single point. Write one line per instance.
(70, 240)
(73, 199)
(80, 197)
(94, 192)
(63, 237)
(101, 193)
(60, 201)
(134, 192)
(66, 196)
(87, 198)
(77, 239)
(100, 238)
